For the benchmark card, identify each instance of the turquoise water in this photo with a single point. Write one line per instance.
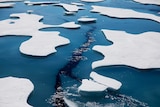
(140, 87)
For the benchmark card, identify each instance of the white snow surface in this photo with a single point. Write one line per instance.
(10, 0)
(124, 13)
(155, 2)
(69, 7)
(14, 92)
(92, 1)
(98, 83)
(86, 19)
(136, 50)
(91, 86)
(6, 5)
(41, 43)
(109, 82)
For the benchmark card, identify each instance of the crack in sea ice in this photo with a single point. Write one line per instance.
(57, 98)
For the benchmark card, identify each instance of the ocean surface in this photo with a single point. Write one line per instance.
(140, 88)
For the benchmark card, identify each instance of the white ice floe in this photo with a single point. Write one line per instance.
(124, 13)
(78, 4)
(6, 5)
(155, 2)
(40, 2)
(69, 7)
(109, 82)
(91, 86)
(42, 43)
(9, 0)
(14, 92)
(86, 19)
(136, 50)
(98, 83)
(68, 25)
(92, 0)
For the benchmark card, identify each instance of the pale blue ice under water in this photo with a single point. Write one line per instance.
(140, 87)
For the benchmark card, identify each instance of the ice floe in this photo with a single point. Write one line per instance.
(42, 43)
(10, 0)
(124, 13)
(69, 7)
(92, 0)
(69, 25)
(155, 2)
(86, 19)
(136, 50)
(40, 2)
(6, 5)
(98, 83)
(14, 92)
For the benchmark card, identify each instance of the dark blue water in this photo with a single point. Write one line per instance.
(140, 87)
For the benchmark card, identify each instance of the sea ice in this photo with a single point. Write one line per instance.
(156, 2)
(87, 19)
(69, 7)
(109, 82)
(6, 5)
(14, 92)
(10, 0)
(40, 2)
(124, 13)
(42, 43)
(92, 0)
(136, 50)
(91, 86)
(98, 83)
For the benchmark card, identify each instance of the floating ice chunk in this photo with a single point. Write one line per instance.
(78, 4)
(69, 102)
(86, 19)
(9, 0)
(109, 82)
(70, 13)
(124, 13)
(156, 2)
(40, 2)
(140, 50)
(43, 44)
(69, 7)
(69, 25)
(92, 0)
(14, 92)
(91, 86)
(6, 5)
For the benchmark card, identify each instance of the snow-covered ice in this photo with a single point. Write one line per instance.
(91, 86)
(109, 82)
(6, 5)
(155, 2)
(98, 83)
(136, 50)
(69, 7)
(124, 13)
(87, 19)
(92, 1)
(14, 92)
(42, 43)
